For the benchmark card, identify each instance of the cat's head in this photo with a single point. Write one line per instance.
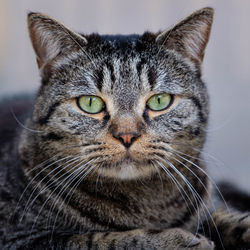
(121, 103)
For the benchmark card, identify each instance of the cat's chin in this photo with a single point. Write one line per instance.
(127, 170)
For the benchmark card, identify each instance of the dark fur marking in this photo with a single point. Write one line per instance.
(112, 74)
(118, 199)
(104, 222)
(238, 232)
(195, 132)
(94, 218)
(90, 241)
(177, 123)
(186, 216)
(146, 117)
(44, 120)
(94, 150)
(154, 231)
(198, 105)
(44, 82)
(134, 243)
(52, 136)
(120, 38)
(243, 218)
(112, 245)
(158, 154)
(159, 147)
(105, 235)
(105, 119)
(152, 77)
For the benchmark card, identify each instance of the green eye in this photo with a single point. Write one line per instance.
(159, 102)
(91, 104)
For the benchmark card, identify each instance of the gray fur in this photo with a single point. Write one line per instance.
(76, 186)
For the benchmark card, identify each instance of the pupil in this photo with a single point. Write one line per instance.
(90, 101)
(159, 99)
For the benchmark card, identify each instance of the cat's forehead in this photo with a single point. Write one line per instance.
(135, 64)
(116, 64)
(121, 46)
(122, 68)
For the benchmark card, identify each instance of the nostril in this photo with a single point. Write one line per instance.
(127, 139)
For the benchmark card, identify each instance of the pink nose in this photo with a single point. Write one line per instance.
(127, 138)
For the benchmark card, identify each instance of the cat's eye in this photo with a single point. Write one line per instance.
(159, 102)
(91, 104)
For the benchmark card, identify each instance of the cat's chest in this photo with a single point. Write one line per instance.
(131, 207)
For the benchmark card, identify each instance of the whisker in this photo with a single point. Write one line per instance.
(176, 152)
(198, 196)
(30, 204)
(65, 186)
(97, 179)
(96, 145)
(159, 174)
(184, 165)
(72, 189)
(203, 171)
(33, 169)
(195, 193)
(178, 185)
(42, 164)
(216, 161)
(48, 198)
(22, 125)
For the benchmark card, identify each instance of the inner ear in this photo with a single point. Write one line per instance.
(190, 36)
(51, 38)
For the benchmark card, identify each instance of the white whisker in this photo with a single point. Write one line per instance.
(32, 180)
(71, 178)
(48, 198)
(22, 125)
(203, 171)
(198, 196)
(87, 171)
(28, 203)
(178, 185)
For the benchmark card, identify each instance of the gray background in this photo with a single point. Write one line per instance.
(226, 64)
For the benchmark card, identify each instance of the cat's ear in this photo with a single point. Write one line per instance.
(50, 38)
(190, 36)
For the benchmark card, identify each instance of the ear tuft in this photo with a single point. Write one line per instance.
(51, 38)
(190, 36)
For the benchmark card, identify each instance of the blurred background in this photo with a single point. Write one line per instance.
(225, 69)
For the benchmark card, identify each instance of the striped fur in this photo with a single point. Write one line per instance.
(81, 185)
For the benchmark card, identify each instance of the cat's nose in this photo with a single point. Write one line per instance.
(126, 128)
(127, 139)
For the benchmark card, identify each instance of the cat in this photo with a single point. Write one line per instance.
(110, 157)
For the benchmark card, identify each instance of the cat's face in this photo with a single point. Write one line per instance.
(122, 103)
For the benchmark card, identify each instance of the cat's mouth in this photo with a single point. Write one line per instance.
(127, 160)
(127, 167)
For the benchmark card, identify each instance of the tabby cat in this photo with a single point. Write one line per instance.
(111, 157)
